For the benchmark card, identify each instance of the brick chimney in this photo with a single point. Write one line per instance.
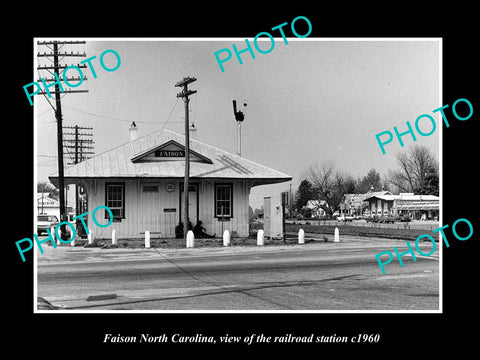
(133, 131)
(193, 132)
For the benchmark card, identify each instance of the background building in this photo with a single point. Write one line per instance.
(50, 206)
(417, 207)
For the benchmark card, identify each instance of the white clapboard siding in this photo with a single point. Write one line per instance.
(239, 222)
(145, 210)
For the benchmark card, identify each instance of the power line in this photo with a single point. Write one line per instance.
(168, 118)
(118, 119)
(47, 164)
(43, 113)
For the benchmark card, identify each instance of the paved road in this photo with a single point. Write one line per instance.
(314, 276)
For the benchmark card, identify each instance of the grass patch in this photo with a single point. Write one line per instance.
(389, 233)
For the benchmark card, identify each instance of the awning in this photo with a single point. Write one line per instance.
(419, 206)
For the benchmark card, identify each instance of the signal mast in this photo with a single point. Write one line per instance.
(239, 117)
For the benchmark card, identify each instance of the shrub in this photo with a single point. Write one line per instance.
(94, 244)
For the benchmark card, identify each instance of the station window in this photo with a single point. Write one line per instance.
(223, 200)
(115, 199)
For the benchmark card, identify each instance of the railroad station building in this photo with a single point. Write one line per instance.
(141, 182)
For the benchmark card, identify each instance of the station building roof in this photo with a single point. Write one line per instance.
(161, 154)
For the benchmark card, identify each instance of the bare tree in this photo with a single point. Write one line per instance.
(417, 168)
(47, 187)
(329, 184)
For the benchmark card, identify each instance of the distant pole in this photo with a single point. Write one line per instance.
(290, 199)
(239, 138)
(283, 195)
(184, 95)
(222, 218)
(77, 209)
(82, 148)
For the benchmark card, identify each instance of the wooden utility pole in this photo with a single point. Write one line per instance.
(82, 149)
(58, 112)
(284, 202)
(58, 116)
(184, 95)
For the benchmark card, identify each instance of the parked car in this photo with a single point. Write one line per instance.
(45, 222)
(345, 218)
(403, 218)
(381, 219)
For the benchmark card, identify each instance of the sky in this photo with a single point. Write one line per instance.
(311, 100)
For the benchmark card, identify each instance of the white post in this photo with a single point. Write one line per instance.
(337, 235)
(260, 238)
(190, 239)
(226, 238)
(90, 238)
(301, 236)
(70, 233)
(114, 238)
(147, 239)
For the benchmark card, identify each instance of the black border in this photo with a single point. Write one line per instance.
(422, 334)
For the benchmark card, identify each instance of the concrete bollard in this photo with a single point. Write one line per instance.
(337, 235)
(301, 236)
(90, 238)
(147, 239)
(226, 238)
(260, 238)
(70, 234)
(190, 239)
(114, 237)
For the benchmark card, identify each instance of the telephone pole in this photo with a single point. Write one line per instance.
(184, 95)
(82, 149)
(58, 110)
